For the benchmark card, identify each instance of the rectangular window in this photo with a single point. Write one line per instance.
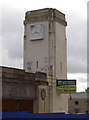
(37, 64)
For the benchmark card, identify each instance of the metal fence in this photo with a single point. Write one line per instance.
(42, 116)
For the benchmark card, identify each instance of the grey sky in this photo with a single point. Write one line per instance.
(77, 45)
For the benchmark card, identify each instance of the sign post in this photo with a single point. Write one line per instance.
(65, 86)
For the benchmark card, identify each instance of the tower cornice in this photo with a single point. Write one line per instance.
(47, 14)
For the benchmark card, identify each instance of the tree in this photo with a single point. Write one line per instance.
(87, 90)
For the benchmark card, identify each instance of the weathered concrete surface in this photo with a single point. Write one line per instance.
(17, 83)
(46, 51)
(46, 14)
(22, 88)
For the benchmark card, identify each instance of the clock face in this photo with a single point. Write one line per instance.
(36, 32)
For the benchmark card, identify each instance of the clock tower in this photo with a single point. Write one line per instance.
(45, 50)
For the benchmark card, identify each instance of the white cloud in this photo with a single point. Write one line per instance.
(12, 38)
(7, 61)
(81, 80)
(77, 43)
(0, 50)
(62, 5)
(0, 38)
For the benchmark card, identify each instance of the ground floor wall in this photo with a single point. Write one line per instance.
(43, 103)
(0, 105)
(49, 101)
(60, 102)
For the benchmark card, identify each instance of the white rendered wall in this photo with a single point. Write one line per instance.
(60, 102)
(36, 50)
(61, 60)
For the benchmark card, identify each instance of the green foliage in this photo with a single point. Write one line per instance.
(87, 90)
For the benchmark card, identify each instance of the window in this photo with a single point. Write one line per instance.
(87, 103)
(76, 102)
(37, 64)
(86, 111)
(76, 110)
(61, 65)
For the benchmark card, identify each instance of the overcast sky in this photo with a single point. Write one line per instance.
(11, 34)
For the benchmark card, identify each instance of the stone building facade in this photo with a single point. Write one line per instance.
(45, 50)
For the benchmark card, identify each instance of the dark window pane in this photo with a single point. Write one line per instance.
(76, 102)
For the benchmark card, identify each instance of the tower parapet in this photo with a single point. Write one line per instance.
(47, 14)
